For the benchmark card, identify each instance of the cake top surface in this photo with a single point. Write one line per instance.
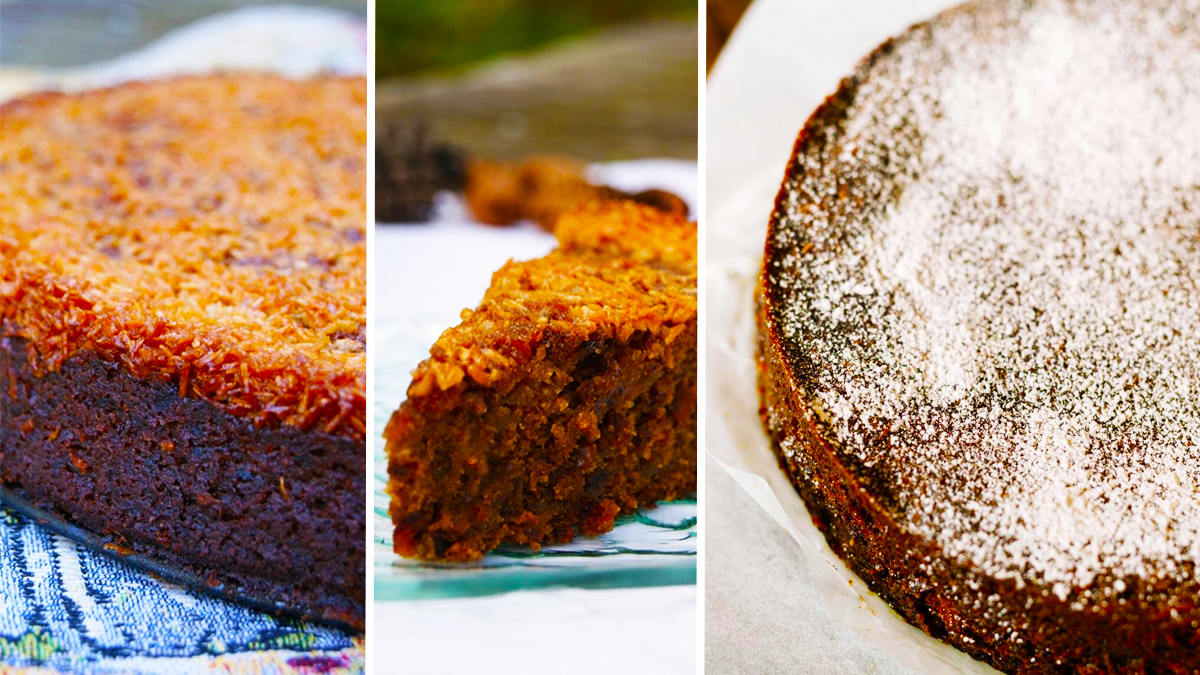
(620, 267)
(208, 231)
(984, 270)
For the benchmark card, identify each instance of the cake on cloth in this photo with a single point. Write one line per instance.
(980, 331)
(182, 309)
(567, 398)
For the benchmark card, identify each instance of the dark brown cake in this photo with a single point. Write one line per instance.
(182, 321)
(980, 362)
(567, 398)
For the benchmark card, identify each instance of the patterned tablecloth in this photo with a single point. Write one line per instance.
(67, 609)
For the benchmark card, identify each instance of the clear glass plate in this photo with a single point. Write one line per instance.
(654, 547)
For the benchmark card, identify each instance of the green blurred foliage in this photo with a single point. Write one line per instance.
(416, 35)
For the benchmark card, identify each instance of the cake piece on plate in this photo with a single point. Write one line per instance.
(567, 398)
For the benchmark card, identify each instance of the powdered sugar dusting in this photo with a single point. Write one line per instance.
(990, 283)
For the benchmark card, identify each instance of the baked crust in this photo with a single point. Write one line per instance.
(208, 231)
(846, 472)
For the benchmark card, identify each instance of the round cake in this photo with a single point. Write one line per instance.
(980, 331)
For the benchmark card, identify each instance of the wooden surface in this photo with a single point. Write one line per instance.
(621, 93)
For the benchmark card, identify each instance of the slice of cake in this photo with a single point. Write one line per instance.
(567, 398)
(182, 309)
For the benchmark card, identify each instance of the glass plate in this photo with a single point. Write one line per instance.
(654, 547)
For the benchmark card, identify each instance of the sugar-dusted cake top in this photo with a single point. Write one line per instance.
(984, 267)
(208, 231)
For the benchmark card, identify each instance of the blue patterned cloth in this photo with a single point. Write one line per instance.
(69, 609)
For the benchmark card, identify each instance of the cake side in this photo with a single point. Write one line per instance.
(566, 399)
(203, 231)
(274, 515)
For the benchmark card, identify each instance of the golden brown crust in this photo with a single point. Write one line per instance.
(599, 280)
(204, 231)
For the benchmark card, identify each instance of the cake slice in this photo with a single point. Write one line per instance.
(182, 322)
(567, 398)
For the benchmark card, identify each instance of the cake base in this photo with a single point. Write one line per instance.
(273, 517)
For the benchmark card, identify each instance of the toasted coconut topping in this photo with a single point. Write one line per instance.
(208, 231)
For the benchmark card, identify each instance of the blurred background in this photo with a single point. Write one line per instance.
(723, 16)
(63, 33)
(77, 44)
(598, 80)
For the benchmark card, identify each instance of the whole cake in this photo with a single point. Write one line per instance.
(567, 398)
(182, 321)
(980, 331)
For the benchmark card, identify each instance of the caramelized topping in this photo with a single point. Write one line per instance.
(207, 231)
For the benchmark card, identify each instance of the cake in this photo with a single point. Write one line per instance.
(978, 312)
(182, 328)
(542, 188)
(566, 399)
